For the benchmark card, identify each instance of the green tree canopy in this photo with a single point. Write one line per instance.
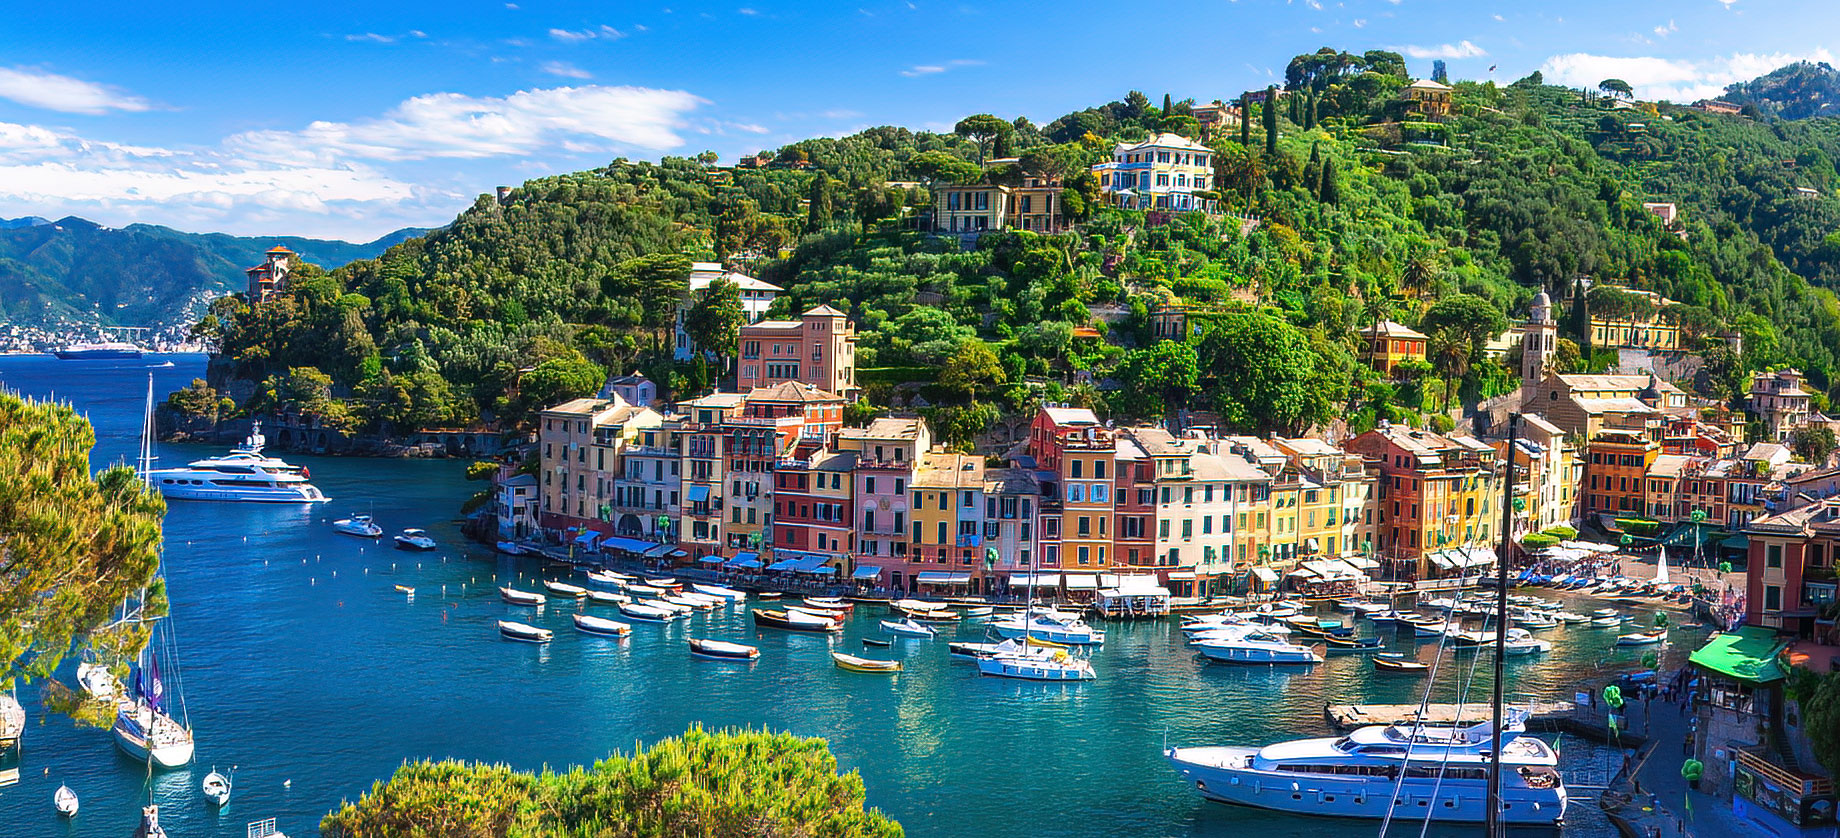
(982, 129)
(729, 784)
(1263, 375)
(714, 321)
(73, 546)
(1158, 380)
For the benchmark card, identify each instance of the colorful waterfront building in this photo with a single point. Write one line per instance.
(1779, 400)
(1012, 503)
(699, 430)
(886, 453)
(1617, 462)
(1790, 575)
(1074, 456)
(580, 444)
(1436, 493)
(946, 502)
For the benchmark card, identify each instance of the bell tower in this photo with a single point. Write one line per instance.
(1539, 342)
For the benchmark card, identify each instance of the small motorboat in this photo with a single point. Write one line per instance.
(524, 632)
(973, 651)
(637, 589)
(608, 577)
(564, 589)
(646, 613)
(692, 601)
(944, 615)
(830, 602)
(1569, 617)
(97, 681)
(769, 595)
(665, 605)
(816, 612)
(722, 651)
(1606, 622)
(852, 663)
(794, 621)
(909, 628)
(1641, 638)
(720, 592)
(977, 612)
(510, 548)
(517, 597)
(1036, 665)
(666, 583)
(1397, 662)
(607, 598)
(874, 643)
(359, 525)
(405, 590)
(601, 626)
(65, 801)
(216, 788)
(1352, 644)
(414, 539)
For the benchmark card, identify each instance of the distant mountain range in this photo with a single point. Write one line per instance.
(1798, 91)
(77, 271)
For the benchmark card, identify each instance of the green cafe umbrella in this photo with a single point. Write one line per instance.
(1692, 769)
(1613, 696)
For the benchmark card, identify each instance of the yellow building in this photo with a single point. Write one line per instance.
(1648, 328)
(1389, 344)
(1427, 99)
(947, 505)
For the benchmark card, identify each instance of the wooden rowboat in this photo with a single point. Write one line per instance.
(794, 621)
(517, 597)
(1396, 662)
(853, 663)
(720, 650)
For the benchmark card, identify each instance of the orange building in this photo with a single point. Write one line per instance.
(1390, 344)
(1616, 470)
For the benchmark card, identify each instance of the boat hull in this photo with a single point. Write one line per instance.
(1254, 656)
(162, 756)
(98, 354)
(293, 493)
(1031, 669)
(1355, 796)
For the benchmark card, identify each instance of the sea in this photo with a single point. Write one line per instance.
(304, 670)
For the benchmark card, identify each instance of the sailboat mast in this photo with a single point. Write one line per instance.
(1496, 826)
(145, 463)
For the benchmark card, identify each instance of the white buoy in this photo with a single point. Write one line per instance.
(335, 574)
(312, 581)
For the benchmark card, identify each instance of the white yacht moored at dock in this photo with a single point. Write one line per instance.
(1413, 772)
(245, 474)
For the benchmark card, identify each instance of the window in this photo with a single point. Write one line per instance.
(1773, 556)
(1098, 469)
(941, 530)
(1076, 492)
(1074, 469)
(1772, 598)
(1100, 493)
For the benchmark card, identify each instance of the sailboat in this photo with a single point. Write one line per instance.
(1661, 569)
(144, 728)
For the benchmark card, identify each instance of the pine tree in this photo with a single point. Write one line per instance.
(1311, 118)
(1270, 112)
(1578, 320)
(1169, 105)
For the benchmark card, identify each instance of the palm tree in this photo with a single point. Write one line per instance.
(1420, 272)
(1451, 353)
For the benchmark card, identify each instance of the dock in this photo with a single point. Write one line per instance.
(1344, 717)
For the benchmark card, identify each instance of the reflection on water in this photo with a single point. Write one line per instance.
(306, 668)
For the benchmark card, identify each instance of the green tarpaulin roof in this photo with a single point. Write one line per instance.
(1748, 654)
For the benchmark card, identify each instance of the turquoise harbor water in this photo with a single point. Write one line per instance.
(299, 662)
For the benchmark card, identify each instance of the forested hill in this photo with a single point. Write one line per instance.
(73, 270)
(1799, 91)
(1363, 212)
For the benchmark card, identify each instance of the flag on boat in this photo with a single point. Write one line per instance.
(156, 686)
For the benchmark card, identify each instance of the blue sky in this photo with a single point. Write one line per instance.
(352, 119)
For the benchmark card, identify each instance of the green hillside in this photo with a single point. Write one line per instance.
(1362, 213)
(73, 270)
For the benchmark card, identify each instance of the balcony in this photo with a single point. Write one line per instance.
(970, 541)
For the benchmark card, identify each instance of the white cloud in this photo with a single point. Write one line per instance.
(747, 11)
(1667, 29)
(453, 125)
(1461, 49)
(1674, 79)
(371, 37)
(935, 69)
(1360, 23)
(1499, 19)
(41, 89)
(576, 36)
(565, 70)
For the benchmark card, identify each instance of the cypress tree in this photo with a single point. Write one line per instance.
(1578, 320)
(1313, 116)
(1312, 171)
(1169, 105)
(1270, 112)
(1331, 191)
(818, 214)
(1245, 119)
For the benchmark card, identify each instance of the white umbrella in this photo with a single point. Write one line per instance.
(1661, 572)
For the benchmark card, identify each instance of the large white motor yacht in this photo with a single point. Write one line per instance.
(1445, 774)
(1249, 644)
(244, 474)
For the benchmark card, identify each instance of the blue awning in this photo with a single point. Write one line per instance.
(587, 538)
(710, 560)
(628, 545)
(867, 573)
(747, 561)
(750, 564)
(658, 550)
(813, 564)
(698, 494)
(783, 564)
